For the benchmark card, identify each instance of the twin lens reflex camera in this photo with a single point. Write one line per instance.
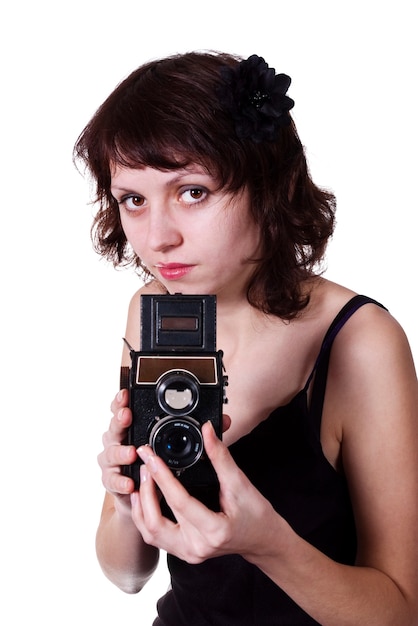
(176, 383)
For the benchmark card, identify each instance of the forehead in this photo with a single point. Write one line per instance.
(127, 176)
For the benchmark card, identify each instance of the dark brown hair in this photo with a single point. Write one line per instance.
(167, 115)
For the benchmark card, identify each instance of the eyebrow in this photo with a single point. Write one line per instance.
(174, 180)
(123, 190)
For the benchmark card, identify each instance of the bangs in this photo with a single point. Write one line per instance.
(162, 153)
(165, 117)
(151, 140)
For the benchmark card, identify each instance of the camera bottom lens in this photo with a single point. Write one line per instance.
(177, 441)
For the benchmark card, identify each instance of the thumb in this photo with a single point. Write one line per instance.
(217, 451)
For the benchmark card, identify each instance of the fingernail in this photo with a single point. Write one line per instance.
(148, 457)
(142, 451)
(144, 473)
(119, 396)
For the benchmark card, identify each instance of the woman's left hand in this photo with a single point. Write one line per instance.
(243, 526)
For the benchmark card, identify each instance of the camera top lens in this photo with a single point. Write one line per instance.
(177, 392)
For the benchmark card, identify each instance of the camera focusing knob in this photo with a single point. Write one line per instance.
(225, 384)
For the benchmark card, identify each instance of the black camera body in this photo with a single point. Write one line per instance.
(176, 383)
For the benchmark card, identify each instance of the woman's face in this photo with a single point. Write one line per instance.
(193, 237)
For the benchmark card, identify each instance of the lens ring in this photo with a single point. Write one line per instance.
(178, 442)
(177, 392)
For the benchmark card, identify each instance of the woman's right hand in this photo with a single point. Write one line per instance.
(114, 453)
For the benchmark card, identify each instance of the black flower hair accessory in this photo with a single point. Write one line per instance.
(256, 99)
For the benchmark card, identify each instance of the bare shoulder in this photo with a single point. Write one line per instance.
(371, 336)
(372, 369)
(153, 287)
(373, 345)
(370, 417)
(374, 390)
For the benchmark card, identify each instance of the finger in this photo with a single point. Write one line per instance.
(186, 509)
(117, 455)
(116, 434)
(117, 483)
(224, 465)
(120, 422)
(158, 470)
(146, 510)
(226, 423)
(120, 400)
(173, 491)
(110, 464)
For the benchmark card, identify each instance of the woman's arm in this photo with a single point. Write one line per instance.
(123, 555)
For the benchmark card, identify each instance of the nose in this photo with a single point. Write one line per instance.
(163, 231)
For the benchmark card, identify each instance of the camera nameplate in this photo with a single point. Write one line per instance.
(150, 368)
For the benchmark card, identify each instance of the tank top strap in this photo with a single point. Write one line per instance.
(320, 369)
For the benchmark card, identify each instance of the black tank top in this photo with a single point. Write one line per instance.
(292, 472)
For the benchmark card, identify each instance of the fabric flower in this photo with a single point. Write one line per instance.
(256, 99)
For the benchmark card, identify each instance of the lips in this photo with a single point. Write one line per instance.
(173, 271)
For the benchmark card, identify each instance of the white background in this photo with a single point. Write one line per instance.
(63, 310)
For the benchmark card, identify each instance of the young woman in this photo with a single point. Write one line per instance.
(202, 183)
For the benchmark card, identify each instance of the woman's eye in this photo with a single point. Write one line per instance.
(132, 203)
(194, 195)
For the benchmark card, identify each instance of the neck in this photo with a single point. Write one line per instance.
(237, 322)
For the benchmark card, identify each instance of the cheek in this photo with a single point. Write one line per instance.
(124, 225)
(243, 233)
(132, 232)
(136, 245)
